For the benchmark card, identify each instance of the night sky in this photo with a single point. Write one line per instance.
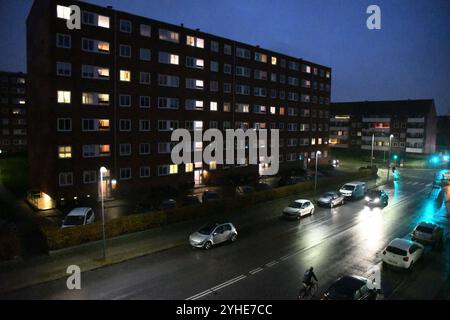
(409, 58)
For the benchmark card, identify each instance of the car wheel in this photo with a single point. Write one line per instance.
(208, 245)
(233, 237)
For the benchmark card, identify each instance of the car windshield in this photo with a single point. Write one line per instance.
(396, 251)
(374, 193)
(207, 229)
(74, 220)
(295, 205)
(424, 229)
(348, 187)
(328, 195)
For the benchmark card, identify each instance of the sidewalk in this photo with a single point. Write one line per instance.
(88, 256)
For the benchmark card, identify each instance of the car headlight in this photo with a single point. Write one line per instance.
(367, 199)
(376, 200)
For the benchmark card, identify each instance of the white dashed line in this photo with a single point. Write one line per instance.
(255, 271)
(271, 263)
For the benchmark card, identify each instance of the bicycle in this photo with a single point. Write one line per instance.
(308, 292)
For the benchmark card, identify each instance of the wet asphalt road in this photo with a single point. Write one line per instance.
(268, 260)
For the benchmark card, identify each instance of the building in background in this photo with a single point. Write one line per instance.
(443, 134)
(13, 112)
(111, 93)
(411, 122)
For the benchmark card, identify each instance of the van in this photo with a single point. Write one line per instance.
(354, 190)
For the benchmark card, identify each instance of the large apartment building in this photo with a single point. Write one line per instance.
(412, 123)
(13, 110)
(111, 93)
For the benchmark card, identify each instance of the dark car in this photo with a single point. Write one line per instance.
(287, 181)
(350, 288)
(241, 190)
(210, 196)
(377, 198)
(167, 204)
(262, 186)
(330, 199)
(191, 200)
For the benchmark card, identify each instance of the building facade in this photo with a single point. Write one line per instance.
(13, 112)
(111, 93)
(412, 124)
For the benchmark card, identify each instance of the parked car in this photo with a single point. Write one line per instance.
(262, 186)
(241, 190)
(210, 196)
(331, 199)
(402, 253)
(351, 288)
(353, 190)
(212, 234)
(377, 198)
(190, 200)
(79, 217)
(167, 204)
(334, 162)
(287, 181)
(298, 208)
(428, 233)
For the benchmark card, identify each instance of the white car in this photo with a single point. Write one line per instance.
(402, 253)
(79, 217)
(298, 208)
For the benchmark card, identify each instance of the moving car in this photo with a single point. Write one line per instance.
(330, 199)
(298, 208)
(377, 198)
(353, 190)
(402, 253)
(212, 234)
(209, 196)
(350, 288)
(79, 217)
(428, 233)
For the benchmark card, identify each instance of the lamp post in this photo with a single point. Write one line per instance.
(389, 159)
(318, 153)
(371, 156)
(102, 172)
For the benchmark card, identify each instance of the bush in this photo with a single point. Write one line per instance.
(9, 245)
(58, 238)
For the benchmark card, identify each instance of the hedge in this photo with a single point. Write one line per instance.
(58, 238)
(9, 245)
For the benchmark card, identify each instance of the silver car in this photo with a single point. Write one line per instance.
(212, 234)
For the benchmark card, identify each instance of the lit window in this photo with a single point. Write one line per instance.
(168, 35)
(63, 12)
(103, 46)
(173, 169)
(125, 75)
(189, 167)
(64, 152)
(63, 96)
(319, 140)
(273, 110)
(195, 42)
(103, 21)
(274, 60)
(313, 141)
(213, 106)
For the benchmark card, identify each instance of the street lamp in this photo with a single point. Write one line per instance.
(318, 153)
(389, 159)
(103, 170)
(371, 157)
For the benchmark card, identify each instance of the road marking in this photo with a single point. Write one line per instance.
(272, 263)
(428, 185)
(255, 271)
(216, 288)
(283, 258)
(415, 183)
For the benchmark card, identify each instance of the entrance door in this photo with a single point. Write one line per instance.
(198, 177)
(104, 184)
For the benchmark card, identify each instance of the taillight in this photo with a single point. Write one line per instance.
(384, 252)
(406, 259)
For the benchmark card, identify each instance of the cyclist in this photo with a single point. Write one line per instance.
(307, 279)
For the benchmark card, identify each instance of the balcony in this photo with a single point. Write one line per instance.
(414, 150)
(415, 130)
(375, 119)
(375, 147)
(414, 140)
